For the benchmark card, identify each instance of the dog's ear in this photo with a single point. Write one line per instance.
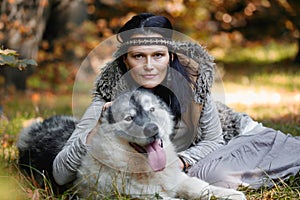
(110, 117)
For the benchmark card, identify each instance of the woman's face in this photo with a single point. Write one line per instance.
(148, 65)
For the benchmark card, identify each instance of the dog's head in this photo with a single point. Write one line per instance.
(143, 121)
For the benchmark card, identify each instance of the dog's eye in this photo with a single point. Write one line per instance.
(152, 109)
(128, 118)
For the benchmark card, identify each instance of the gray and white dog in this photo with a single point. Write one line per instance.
(131, 154)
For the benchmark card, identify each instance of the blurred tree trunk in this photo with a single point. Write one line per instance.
(24, 23)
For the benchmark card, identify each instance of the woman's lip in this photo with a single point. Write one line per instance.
(149, 76)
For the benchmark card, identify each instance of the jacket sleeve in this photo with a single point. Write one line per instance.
(68, 160)
(209, 134)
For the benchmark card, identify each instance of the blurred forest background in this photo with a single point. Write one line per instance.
(256, 44)
(63, 32)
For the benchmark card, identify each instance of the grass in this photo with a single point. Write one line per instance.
(272, 97)
(9, 184)
(263, 70)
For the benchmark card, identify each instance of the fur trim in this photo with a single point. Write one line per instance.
(230, 121)
(205, 67)
(109, 82)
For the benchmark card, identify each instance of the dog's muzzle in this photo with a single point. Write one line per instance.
(151, 130)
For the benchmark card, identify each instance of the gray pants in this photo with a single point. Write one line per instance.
(252, 160)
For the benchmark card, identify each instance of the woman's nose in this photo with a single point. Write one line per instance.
(148, 64)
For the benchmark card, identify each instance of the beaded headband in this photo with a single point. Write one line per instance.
(140, 41)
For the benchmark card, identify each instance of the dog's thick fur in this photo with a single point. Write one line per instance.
(38, 145)
(131, 154)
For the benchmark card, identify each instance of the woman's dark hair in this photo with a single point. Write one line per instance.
(146, 23)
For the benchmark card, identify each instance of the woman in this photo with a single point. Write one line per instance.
(213, 142)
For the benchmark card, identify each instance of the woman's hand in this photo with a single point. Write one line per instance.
(90, 135)
(183, 164)
(106, 105)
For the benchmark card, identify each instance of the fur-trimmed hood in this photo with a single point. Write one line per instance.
(109, 81)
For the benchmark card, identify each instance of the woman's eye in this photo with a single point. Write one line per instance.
(158, 55)
(138, 57)
(152, 109)
(128, 118)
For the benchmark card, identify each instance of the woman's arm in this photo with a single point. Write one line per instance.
(68, 160)
(209, 132)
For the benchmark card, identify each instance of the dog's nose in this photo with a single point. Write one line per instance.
(151, 130)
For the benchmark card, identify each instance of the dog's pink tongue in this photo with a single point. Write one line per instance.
(156, 156)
